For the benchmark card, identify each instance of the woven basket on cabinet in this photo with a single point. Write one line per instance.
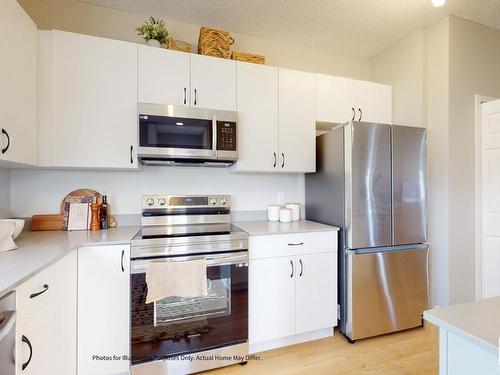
(249, 57)
(214, 42)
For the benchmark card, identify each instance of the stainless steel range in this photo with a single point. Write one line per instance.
(185, 335)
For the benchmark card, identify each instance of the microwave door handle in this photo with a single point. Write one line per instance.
(214, 136)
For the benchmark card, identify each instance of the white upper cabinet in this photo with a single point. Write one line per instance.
(334, 99)
(213, 83)
(163, 76)
(18, 85)
(257, 105)
(374, 102)
(339, 100)
(91, 105)
(297, 121)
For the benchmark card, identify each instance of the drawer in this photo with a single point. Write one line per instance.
(292, 244)
(35, 293)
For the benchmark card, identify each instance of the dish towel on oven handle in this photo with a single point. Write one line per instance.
(176, 278)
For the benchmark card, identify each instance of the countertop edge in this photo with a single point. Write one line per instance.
(493, 349)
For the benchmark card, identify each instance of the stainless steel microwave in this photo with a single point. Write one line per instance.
(179, 135)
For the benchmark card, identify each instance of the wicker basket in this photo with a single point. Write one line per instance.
(214, 42)
(249, 57)
(178, 45)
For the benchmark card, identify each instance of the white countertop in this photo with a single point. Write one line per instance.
(38, 250)
(477, 322)
(264, 227)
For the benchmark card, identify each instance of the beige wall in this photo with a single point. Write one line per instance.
(402, 66)
(72, 15)
(474, 69)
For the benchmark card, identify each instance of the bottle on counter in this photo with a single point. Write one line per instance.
(103, 212)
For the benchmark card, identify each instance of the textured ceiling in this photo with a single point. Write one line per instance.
(353, 27)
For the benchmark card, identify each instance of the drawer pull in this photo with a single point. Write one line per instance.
(301, 268)
(45, 288)
(291, 264)
(25, 340)
(296, 244)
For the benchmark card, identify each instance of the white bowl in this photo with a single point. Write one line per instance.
(10, 229)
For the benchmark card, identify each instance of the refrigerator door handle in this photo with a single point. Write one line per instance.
(385, 249)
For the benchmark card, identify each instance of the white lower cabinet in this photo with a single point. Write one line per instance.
(46, 321)
(103, 310)
(292, 288)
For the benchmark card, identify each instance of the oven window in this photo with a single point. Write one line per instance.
(175, 132)
(175, 326)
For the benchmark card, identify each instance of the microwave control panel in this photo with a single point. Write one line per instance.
(226, 136)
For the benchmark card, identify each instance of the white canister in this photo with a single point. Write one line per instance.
(286, 215)
(273, 212)
(295, 207)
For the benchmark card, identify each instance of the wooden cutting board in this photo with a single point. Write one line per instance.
(81, 193)
(47, 222)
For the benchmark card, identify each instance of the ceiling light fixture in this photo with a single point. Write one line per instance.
(438, 3)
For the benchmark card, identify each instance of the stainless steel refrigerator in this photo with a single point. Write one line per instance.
(371, 182)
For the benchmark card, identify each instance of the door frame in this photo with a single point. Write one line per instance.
(478, 251)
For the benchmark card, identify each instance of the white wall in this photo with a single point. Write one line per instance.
(75, 16)
(41, 191)
(4, 193)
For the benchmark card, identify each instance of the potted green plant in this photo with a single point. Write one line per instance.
(153, 31)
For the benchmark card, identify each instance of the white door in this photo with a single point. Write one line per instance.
(490, 198)
(335, 102)
(271, 300)
(297, 121)
(94, 102)
(103, 309)
(35, 343)
(18, 85)
(257, 99)
(374, 102)
(316, 296)
(163, 76)
(213, 83)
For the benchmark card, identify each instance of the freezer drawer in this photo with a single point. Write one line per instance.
(386, 291)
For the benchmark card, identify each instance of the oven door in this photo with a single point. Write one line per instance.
(177, 133)
(175, 326)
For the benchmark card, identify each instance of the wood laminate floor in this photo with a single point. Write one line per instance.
(409, 352)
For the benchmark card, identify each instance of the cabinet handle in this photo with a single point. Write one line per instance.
(360, 114)
(274, 165)
(301, 268)
(296, 244)
(123, 254)
(4, 150)
(185, 97)
(131, 154)
(195, 96)
(283, 163)
(291, 264)
(353, 114)
(25, 340)
(45, 288)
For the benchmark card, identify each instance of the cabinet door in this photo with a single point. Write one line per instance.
(316, 298)
(163, 76)
(257, 95)
(103, 309)
(334, 99)
(271, 286)
(35, 343)
(375, 102)
(94, 102)
(297, 121)
(18, 85)
(213, 83)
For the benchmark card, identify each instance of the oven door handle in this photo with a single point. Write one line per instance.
(140, 265)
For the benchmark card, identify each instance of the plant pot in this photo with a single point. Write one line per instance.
(153, 43)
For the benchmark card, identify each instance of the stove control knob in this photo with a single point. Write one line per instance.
(150, 201)
(162, 202)
(213, 201)
(223, 201)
